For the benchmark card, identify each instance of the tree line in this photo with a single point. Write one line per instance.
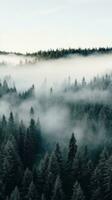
(60, 53)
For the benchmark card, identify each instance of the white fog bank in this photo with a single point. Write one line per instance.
(53, 72)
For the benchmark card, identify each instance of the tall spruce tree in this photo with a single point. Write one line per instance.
(59, 159)
(58, 191)
(12, 167)
(68, 176)
(77, 192)
(15, 195)
(27, 180)
(72, 149)
(32, 192)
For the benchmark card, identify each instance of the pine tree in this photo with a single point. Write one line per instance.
(5, 86)
(108, 180)
(29, 154)
(20, 141)
(2, 191)
(38, 181)
(32, 112)
(43, 197)
(49, 186)
(52, 172)
(4, 133)
(35, 136)
(72, 149)
(53, 165)
(32, 193)
(12, 167)
(97, 194)
(15, 195)
(27, 180)
(58, 192)
(11, 125)
(68, 176)
(77, 192)
(86, 169)
(59, 159)
(100, 177)
(43, 171)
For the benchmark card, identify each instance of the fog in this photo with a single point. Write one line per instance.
(52, 72)
(54, 110)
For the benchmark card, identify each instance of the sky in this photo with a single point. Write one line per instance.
(32, 25)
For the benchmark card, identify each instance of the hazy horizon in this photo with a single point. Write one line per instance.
(28, 26)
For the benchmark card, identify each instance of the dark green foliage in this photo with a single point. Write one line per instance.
(15, 195)
(75, 176)
(68, 176)
(60, 53)
(58, 192)
(72, 149)
(27, 180)
(12, 166)
(77, 192)
(48, 191)
(80, 173)
(32, 193)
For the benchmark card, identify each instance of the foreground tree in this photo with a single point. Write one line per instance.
(32, 193)
(12, 167)
(77, 192)
(15, 195)
(58, 192)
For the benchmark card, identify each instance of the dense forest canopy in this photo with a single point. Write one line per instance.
(56, 127)
(36, 159)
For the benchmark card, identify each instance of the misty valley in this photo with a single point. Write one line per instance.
(56, 125)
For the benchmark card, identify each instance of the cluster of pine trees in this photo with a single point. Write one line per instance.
(99, 83)
(31, 170)
(28, 173)
(5, 89)
(20, 149)
(60, 53)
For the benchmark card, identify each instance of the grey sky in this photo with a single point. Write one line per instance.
(30, 25)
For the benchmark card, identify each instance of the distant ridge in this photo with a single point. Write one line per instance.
(61, 53)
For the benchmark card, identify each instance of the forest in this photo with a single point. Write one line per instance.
(63, 151)
(62, 53)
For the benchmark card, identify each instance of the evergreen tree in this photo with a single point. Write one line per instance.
(100, 178)
(59, 159)
(2, 191)
(43, 197)
(34, 133)
(12, 167)
(27, 180)
(43, 169)
(3, 133)
(96, 194)
(58, 192)
(15, 195)
(68, 176)
(53, 165)
(86, 169)
(11, 125)
(32, 112)
(21, 141)
(32, 193)
(29, 154)
(48, 192)
(72, 149)
(77, 192)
